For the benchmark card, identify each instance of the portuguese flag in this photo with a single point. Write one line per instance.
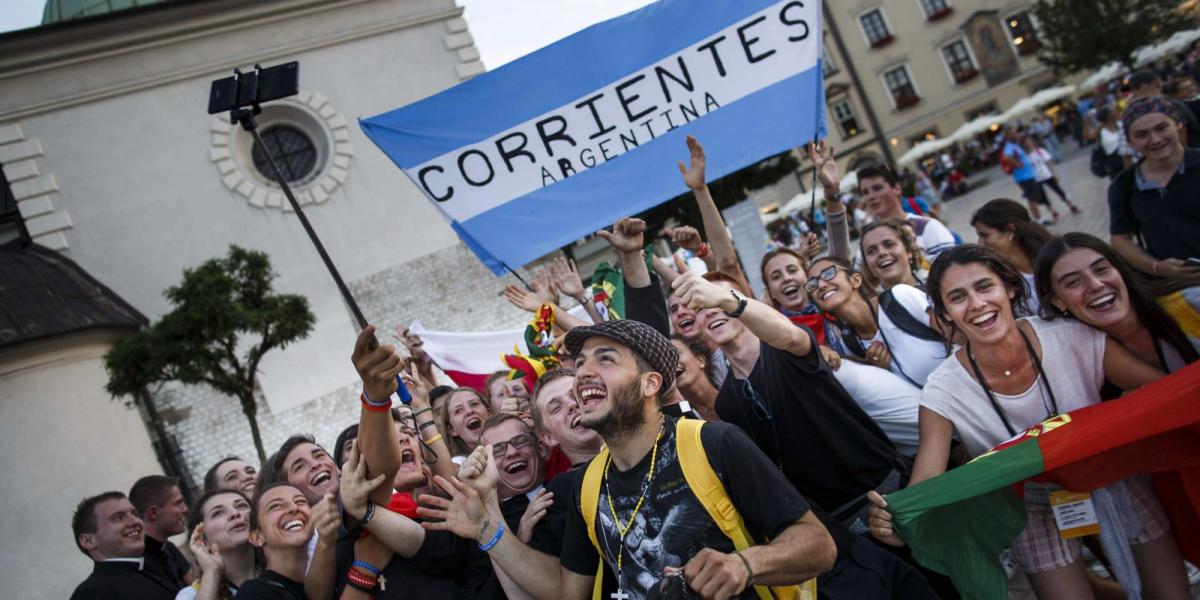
(608, 291)
(957, 523)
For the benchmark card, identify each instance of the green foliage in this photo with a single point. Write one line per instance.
(726, 191)
(1080, 35)
(223, 306)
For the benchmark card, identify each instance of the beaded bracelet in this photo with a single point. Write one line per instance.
(422, 426)
(361, 582)
(366, 566)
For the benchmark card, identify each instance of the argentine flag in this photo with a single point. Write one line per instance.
(551, 147)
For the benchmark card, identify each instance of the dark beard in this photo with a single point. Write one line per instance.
(626, 415)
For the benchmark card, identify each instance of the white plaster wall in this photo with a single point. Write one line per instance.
(134, 173)
(62, 438)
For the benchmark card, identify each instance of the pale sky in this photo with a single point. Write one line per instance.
(503, 29)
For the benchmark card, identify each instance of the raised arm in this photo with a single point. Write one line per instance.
(837, 224)
(416, 350)
(566, 275)
(719, 241)
(627, 238)
(403, 535)
(378, 368)
(426, 425)
(766, 323)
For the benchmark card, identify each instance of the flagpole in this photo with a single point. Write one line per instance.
(245, 116)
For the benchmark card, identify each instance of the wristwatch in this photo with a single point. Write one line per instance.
(741, 307)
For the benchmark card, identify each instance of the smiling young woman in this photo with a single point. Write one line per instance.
(281, 523)
(868, 331)
(1011, 374)
(220, 545)
(1081, 277)
(890, 254)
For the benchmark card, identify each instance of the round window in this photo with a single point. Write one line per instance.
(293, 150)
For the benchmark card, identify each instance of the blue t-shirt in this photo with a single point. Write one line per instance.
(1024, 172)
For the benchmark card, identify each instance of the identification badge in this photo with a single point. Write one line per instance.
(1074, 513)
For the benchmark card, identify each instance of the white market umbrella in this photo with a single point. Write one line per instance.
(1037, 101)
(923, 149)
(972, 128)
(1173, 45)
(1103, 75)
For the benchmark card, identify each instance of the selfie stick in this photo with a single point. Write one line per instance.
(245, 117)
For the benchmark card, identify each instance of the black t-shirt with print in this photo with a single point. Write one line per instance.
(672, 526)
(271, 586)
(825, 443)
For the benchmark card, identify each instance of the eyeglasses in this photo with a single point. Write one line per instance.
(518, 441)
(826, 274)
(761, 410)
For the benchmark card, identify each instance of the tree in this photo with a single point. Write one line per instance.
(1081, 35)
(221, 306)
(726, 191)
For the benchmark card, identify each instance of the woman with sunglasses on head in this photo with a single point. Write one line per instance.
(1010, 374)
(1081, 277)
(220, 545)
(1005, 226)
(890, 255)
(891, 331)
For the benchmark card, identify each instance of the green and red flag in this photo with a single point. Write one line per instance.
(608, 291)
(957, 523)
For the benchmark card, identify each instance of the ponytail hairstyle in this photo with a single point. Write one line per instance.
(906, 238)
(1003, 214)
(968, 254)
(1140, 288)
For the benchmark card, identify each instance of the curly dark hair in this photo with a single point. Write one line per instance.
(968, 254)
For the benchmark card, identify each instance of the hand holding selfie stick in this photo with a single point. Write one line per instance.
(242, 95)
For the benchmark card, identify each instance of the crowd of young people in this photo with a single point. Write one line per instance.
(715, 441)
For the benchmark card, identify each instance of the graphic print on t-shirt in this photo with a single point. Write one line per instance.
(670, 528)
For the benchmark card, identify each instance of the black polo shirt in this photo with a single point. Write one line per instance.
(1168, 218)
(123, 579)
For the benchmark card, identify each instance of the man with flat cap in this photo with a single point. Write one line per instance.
(650, 528)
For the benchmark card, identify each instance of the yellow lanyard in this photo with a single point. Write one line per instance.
(624, 530)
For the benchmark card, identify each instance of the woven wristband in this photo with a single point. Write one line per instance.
(366, 566)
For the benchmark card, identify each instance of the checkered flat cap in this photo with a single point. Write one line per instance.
(641, 338)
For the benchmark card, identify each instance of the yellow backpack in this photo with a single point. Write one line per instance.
(707, 488)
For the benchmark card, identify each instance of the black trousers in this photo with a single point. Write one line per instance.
(869, 572)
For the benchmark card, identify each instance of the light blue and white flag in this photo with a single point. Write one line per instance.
(553, 146)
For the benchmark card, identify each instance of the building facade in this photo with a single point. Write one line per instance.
(114, 164)
(899, 72)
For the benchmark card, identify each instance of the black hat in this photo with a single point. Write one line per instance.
(641, 338)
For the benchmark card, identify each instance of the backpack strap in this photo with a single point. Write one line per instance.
(589, 502)
(850, 339)
(905, 321)
(709, 490)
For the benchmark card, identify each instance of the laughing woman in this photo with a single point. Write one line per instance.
(466, 410)
(220, 545)
(1011, 374)
(1081, 277)
(281, 523)
(891, 331)
(890, 255)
